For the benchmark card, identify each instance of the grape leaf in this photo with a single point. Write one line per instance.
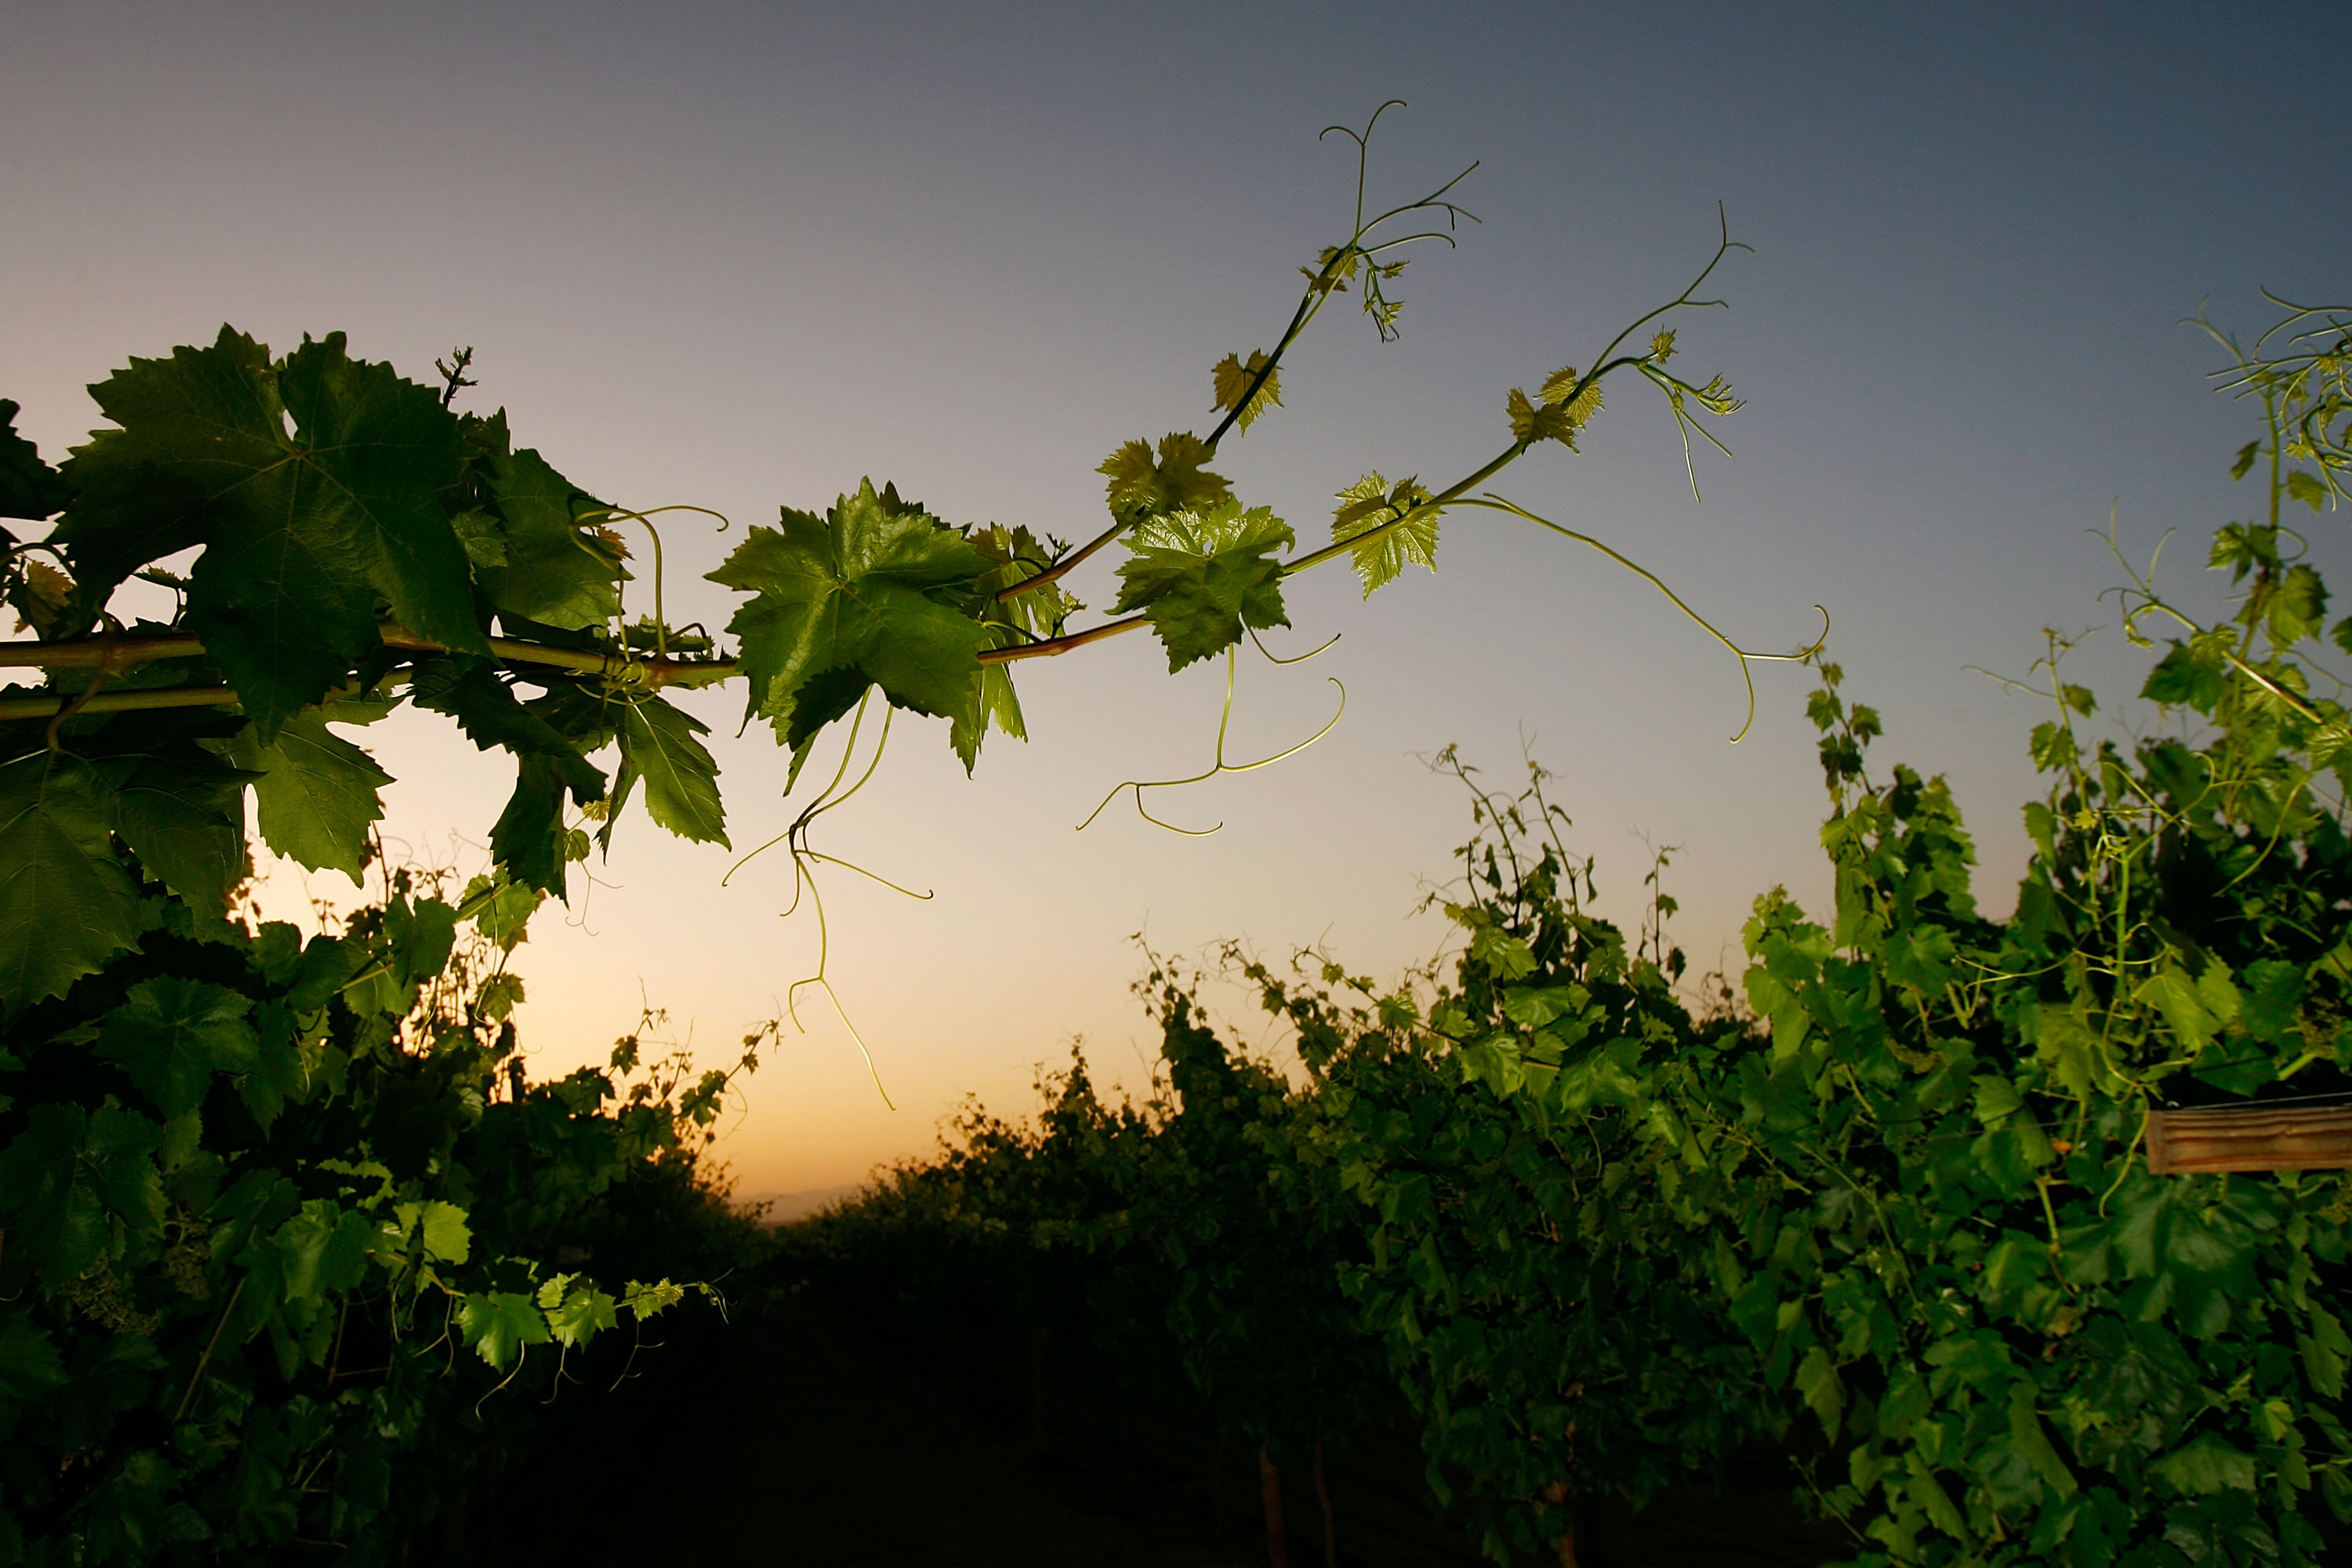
(65, 905)
(1370, 503)
(1559, 391)
(874, 592)
(421, 936)
(447, 1236)
(313, 484)
(499, 1323)
(66, 1173)
(575, 1313)
(316, 797)
(993, 701)
(1232, 380)
(651, 1301)
(1015, 556)
(657, 740)
(551, 566)
(172, 1034)
(182, 811)
(52, 1209)
(29, 1364)
(468, 691)
(529, 838)
(40, 595)
(504, 911)
(498, 997)
(2298, 606)
(1143, 486)
(29, 488)
(1202, 577)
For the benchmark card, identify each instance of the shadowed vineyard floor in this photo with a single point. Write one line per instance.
(802, 1436)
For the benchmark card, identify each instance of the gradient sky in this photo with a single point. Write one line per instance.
(739, 255)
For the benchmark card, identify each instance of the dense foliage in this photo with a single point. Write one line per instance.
(1894, 1215)
(281, 1215)
(259, 1197)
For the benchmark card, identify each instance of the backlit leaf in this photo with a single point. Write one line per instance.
(553, 567)
(469, 691)
(313, 484)
(1144, 484)
(579, 1314)
(1232, 379)
(1371, 503)
(1202, 577)
(658, 740)
(499, 1323)
(875, 592)
(316, 798)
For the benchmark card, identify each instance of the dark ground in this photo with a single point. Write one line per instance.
(805, 1437)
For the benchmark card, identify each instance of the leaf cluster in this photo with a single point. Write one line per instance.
(281, 1214)
(1885, 1205)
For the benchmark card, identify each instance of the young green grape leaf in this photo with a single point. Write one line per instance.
(500, 994)
(1015, 556)
(41, 595)
(1371, 503)
(1142, 485)
(313, 485)
(651, 1301)
(2193, 674)
(499, 1323)
(874, 592)
(66, 904)
(172, 1034)
(580, 1312)
(1202, 577)
(681, 780)
(447, 1237)
(469, 691)
(316, 797)
(2299, 606)
(1233, 383)
(553, 567)
(29, 488)
(421, 936)
(504, 911)
(993, 701)
(1559, 391)
(1554, 415)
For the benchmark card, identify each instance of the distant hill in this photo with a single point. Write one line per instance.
(785, 1207)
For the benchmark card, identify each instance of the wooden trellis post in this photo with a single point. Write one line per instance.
(2250, 1138)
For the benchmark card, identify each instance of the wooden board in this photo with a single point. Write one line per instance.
(2250, 1138)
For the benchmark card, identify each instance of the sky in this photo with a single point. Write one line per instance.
(741, 256)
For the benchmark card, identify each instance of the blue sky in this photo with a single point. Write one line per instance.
(740, 255)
